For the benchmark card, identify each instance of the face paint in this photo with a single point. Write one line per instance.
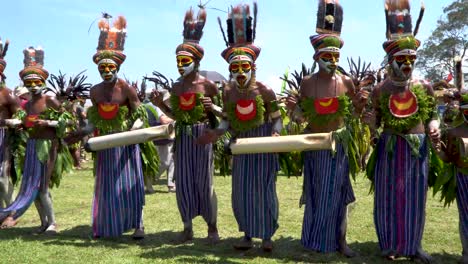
(402, 66)
(34, 86)
(241, 72)
(108, 71)
(185, 65)
(328, 61)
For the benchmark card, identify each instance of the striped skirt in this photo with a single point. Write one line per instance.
(400, 196)
(462, 202)
(34, 178)
(6, 186)
(254, 199)
(327, 191)
(119, 191)
(193, 175)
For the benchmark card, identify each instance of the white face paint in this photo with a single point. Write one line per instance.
(108, 70)
(328, 61)
(241, 72)
(34, 85)
(242, 79)
(186, 70)
(36, 90)
(327, 66)
(402, 70)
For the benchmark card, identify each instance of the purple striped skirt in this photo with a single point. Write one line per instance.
(254, 199)
(462, 202)
(327, 191)
(193, 175)
(32, 181)
(119, 194)
(400, 195)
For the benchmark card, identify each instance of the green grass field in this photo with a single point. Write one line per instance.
(72, 202)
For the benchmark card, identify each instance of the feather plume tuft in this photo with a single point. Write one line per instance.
(103, 25)
(120, 23)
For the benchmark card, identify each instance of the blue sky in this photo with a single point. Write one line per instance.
(155, 29)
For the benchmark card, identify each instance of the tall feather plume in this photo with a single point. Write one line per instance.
(120, 23)
(398, 18)
(329, 17)
(222, 31)
(27, 56)
(254, 29)
(40, 56)
(4, 48)
(193, 28)
(103, 24)
(387, 22)
(420, 17)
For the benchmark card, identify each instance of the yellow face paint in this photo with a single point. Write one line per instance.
(330, 56)
(107, 67)
(242, 66)
(33, 82)
(184, 61)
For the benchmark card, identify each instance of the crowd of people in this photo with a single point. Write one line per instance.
(411, 149)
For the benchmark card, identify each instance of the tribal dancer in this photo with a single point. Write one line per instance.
(119, 194)
(326, 101)
(399, 165)
(192, 108)
(43, 147)
(251, 110)
(454, 152)
(8, 106)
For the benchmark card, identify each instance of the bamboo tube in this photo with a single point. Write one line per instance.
(464, 147)
(17, 122)
(130, 137)
(318, 141)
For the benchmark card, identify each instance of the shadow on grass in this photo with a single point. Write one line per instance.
(369, 252)
(163, 246)
(286, 249)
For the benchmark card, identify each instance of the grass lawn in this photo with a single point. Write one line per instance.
(72, 202)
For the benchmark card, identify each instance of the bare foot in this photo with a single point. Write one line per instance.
(267, 245)
(139, 234)
(8, 222)
(51, 230)
(213, 236)
(184, 236)
(422, 256)
(347, 252)
(244, 244)
(40, 230)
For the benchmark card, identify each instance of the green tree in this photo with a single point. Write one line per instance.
(449, 39)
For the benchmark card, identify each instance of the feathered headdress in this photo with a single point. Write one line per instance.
(111, 40)
(3, 51)
(193, 32)
(329, 23)
(73, 89)
(241, 34)
(34, 64)
(400, 37)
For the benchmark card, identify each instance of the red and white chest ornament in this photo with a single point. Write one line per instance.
(29, 122)
(246, 110)
(327, 105)
(108, 110)
(403, 104)
(187, 101)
